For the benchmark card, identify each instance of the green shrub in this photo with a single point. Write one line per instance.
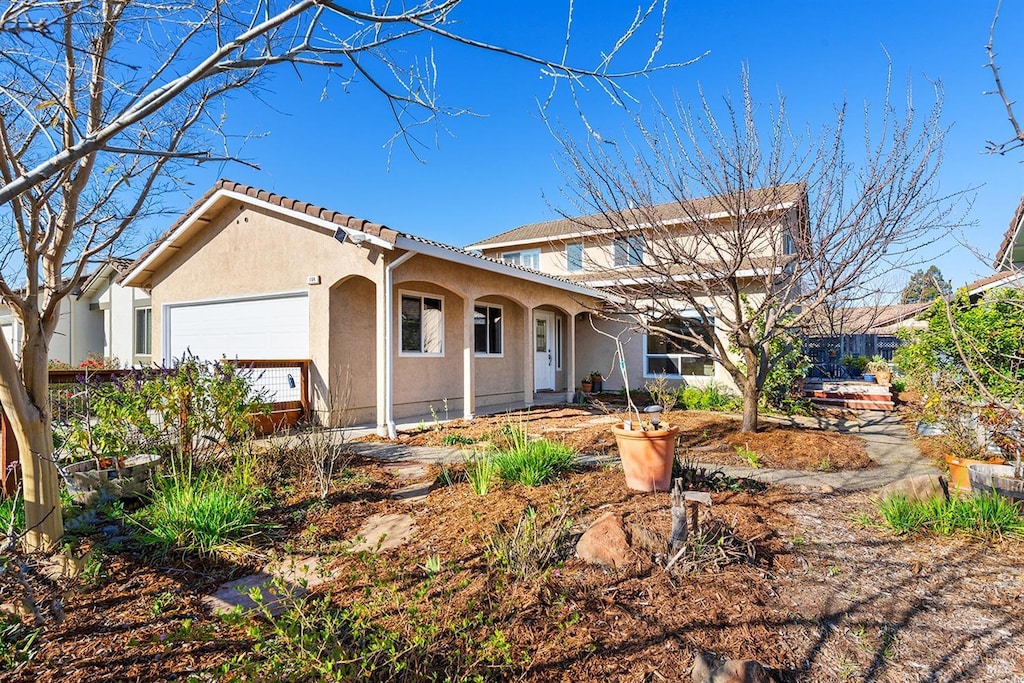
(984, 515)
(711, 397)
(206, 512)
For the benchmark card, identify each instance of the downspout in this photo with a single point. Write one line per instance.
(389, 335)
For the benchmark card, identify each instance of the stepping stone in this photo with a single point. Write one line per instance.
(413, 493)
(410, 472)
(602, 420)
(383, 532)
(279, 584)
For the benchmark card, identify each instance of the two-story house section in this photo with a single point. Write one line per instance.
(698, 241)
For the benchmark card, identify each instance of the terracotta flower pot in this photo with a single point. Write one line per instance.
(587, 387)
(958, 474)
(883, 377)
(647, 456)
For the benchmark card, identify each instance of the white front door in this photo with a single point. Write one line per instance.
(544, 351)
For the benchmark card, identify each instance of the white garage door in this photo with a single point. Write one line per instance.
(8, 331)
(259, 327)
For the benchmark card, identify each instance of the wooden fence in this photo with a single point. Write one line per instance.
(284, 382)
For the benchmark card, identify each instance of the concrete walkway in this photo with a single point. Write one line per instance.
(886, 440)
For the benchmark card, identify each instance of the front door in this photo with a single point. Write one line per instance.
(544, 351)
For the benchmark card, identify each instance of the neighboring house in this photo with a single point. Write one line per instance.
(1010, 255)
(859, 331)
(395, 325)
(126, 312)
(91, 320)
(582, 250)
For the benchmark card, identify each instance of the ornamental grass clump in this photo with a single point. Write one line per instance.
(208, 512)
(984, 515)
(531, 462)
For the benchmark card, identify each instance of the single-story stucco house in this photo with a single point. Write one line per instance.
(394, 325)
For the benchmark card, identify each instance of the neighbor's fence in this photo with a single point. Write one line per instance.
(283, 383)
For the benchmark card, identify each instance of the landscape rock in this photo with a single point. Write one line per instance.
(605, 543)
(919, 488)
(709, 669)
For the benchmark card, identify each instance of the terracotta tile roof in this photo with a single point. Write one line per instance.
(1003, 256)
(669, 211)
(872, 319)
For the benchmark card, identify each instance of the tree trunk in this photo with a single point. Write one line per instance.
(24, 393)
(751, 396)
(40, 482)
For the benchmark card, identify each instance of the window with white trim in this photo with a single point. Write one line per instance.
(422, 325)
(671, 356)
(628, 251)
(574, 257)
(528, 258)
(143, 331)
(487, 330)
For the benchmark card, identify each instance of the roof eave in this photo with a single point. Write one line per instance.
(483, 263)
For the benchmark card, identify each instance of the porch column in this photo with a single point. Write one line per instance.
(529, 354)
(468, 357)
(569, 346)
(382, 359)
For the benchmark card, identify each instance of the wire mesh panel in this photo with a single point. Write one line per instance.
(274, 384)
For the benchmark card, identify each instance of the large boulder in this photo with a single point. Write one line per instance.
(606, 542)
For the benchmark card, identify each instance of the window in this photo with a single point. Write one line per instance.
(668, 355)
(143, 331)
(422, 325)
(487, 330)
(574, 257)
(527, 259)
(628, 251)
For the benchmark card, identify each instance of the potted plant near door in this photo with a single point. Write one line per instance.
(597, 380)
(586, 384)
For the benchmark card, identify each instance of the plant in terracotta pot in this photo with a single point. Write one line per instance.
(586, 384)
(597, 380)
(879, 367)
(646, 444)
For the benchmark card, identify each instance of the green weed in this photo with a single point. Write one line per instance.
(533, 545)
(711, 397)
(750, 456)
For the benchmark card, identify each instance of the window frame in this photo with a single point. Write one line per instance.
(507, 257)
(632, 249)
(402, 353)
(148, 312)
(683, 315)
(487, 322)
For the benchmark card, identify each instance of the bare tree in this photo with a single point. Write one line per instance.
(103, 103)
(1017, 140)
(745, 230)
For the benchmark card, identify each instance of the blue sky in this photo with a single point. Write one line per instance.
(496, 171)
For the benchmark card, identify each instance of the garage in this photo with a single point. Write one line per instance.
(268, 326)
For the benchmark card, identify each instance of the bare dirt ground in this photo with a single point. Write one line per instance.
(707, 437)
(814, 593)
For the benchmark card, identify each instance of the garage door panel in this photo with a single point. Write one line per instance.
(266, 327)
